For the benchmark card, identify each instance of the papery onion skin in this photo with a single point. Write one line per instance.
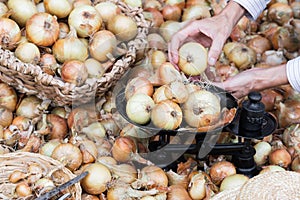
(10, 33)
(6, 117)
(155, 174)
(85, 19)
(291, 137)
(29, 107)
(178, 192)
(59, 127)
(196, 12)
(107, 10)
(123, 148)
(280, 13)
(124, 27)
(138, 85)
(197, 186)
(177, 92)
(97, 179)
(170, 12)
(28, 52)
(22, 10)
(233, 181)
(42, 29)
(102, 43)
(263, 149)
(280, 157)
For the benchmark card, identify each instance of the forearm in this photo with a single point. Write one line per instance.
(270, 77)
(253, 7)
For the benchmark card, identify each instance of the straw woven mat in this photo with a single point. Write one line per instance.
(282, 185)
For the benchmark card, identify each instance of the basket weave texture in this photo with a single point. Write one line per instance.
(20, 161)
(30, 79)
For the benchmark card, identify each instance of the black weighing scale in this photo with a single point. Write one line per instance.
(250, 122)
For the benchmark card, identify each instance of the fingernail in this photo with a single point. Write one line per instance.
(211, 61)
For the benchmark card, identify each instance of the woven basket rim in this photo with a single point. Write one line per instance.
(15, 157)
(63, 89)
(267, 185)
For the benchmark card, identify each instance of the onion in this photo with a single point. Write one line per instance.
(271, 98)
(102, 45)
(224, 71)
(22, 10)
(42, 29)
(177, 178)
(68, 154)
(63, 30)
(280, 156)
(77, 3)
(263, 149)
(190, 3)
(152, 4)
(159, 94)
(8, 97)
(286, 38)
(28, 52)
(3, 9)
(167, 73)
(89, 197)
(291, 137)
(95, 68)
(155, 16)
(22, 123)
(202, 108)
(171, 12)
(23, 189)
(94, 131)
(107, 160)
(179, 3)
(70, 48)
(29, 107)
(97, 179)
(156, 41)
(233, 181)
(80, 117)
(192, 58)
(125, 173)
(47, 148)
(60, 111)
(124, 27)
(177, 92)
(271, 168)
(259, 44)
(273, 57)
(89, 151)
(138, 85)
(221, 170)
(287, 113)
(280, 13)
(158, 58)
(196, 12)
(296, 9)
(241, 55)
(10, 33)
(166, 115)
(153, 174)
(107, 10)
(58, 126)
(16, 176)
(169, 28)
(40, 7)
(74, 71)
(85, 19)
(138, 108)
(44, 185)
(48, 63)
(123, 148)
(60, 8)
(197, 186)
(133, 3)
(6, 117)
(178, 192)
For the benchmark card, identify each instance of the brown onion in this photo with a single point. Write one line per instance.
(47, 148)
(295, 166)
(102, 44)
(155, 16)
(138, 85)
(179, 3)
(29, 107)
(221, 170)
(286, 38)
(280, 156)
(259, 44)
(177, 192)
(28, 52)
(177, 92)
(42, 29)
(85, 19)
(68, 154)
(8, 97)
(196, 12)
(271, 98)
(159, 94)
(60, 8)
(21, 10)
(167, 73)
(171, 12)
(6, 117)
(291, 137)
(97, 179)
(166, 115)
(124, 27)
(288, 112)
(23, 189)
(107, 10)
(154, 174)
(123, 148)
(280, 13)
(58, 126)
(10, 33)
(74, 71)
(48, 63)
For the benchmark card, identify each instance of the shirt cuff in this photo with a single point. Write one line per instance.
(253, 7)
(293, 73)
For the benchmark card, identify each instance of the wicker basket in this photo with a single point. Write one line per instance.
(30, 79)
(21, 160)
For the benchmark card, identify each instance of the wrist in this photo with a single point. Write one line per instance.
(233, 12)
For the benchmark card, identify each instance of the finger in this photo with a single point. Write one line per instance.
(215, 51)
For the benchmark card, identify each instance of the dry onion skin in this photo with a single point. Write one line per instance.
(21, 10)
(10, 33)
(74, 71)
(61, 8)
(221, 170)
(28, 52)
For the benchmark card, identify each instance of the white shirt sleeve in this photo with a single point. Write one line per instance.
(293, 73)
(253, 7)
